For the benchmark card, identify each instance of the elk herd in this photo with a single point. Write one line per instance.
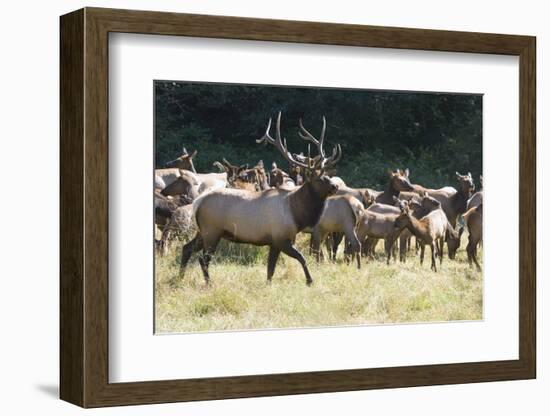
(270, 207)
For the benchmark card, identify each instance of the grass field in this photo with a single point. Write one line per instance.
(239, 297)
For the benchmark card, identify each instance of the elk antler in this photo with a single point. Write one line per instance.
(306, 135)
(321, 162)
(280, 143)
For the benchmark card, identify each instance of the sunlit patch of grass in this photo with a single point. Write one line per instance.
(239, 296)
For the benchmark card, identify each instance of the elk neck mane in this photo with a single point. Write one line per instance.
(306, 206)
(459, 201)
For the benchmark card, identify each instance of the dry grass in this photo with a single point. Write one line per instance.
(239, 297)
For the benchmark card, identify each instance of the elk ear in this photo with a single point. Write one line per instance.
(193, 154)
(390, 172)
(470, 175)
(273, 165)
(458, 175)
(406, 172)
(260, 164)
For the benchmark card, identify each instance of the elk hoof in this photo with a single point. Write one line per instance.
(309, 282)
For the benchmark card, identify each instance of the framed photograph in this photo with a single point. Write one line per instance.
(255, 207)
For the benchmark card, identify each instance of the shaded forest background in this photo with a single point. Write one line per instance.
(432, 134)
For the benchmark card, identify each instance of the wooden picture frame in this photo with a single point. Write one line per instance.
(84, 207)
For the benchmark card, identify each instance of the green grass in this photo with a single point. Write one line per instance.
(239, 298)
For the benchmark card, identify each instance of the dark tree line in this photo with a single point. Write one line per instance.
(433, 134)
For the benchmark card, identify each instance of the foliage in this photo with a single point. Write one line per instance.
(433, 134)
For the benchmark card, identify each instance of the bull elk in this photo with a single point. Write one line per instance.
(268, 218)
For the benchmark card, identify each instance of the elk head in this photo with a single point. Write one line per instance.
(185, 161)
(254, 178)
(399, 181)
(404, 218)
(313, 167)
(400, 203)
(429, 203)
(466, 183)
(233, 171)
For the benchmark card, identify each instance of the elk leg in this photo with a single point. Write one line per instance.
(470, 250)
(291, 251)
(188, 249)
(204, 261)
(272, 261)
(328, 246)
(355, 248)
(441, 246)
(433, 248)
(317, 238)
(422, 248)
(474, 257)
(388, 249)
(402, 248)
(209, 248)
(336, 240)
(369, 247)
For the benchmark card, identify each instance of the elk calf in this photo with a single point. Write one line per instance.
(430, 229)
(378, 226)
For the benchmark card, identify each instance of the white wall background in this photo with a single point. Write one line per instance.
(29, 222)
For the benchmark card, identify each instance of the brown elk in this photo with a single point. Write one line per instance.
(431, 229)
(185, 186)
(361, 194)
(477, 198)
(271, 217)
(231, 170)
(419, 209)
(474, 222)
(279, 178)
(184, 163)
(340, 215)
(172, 168)
(455, 204)
(255, 176)
(377, 226)
(398, 182)
(164, 207)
